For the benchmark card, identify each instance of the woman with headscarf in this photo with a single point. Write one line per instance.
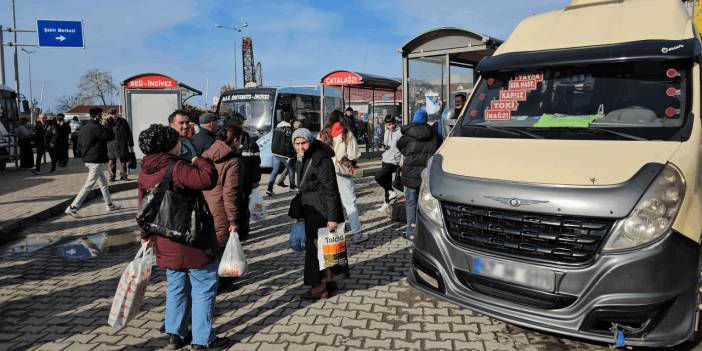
(320, 204)
(191, 271)
(337, 135)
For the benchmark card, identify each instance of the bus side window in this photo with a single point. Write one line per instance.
(306, 109)
(282, 104)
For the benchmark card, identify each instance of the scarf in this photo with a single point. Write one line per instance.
(337, 129)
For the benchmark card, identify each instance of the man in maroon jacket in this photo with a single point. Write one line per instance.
(190, 272)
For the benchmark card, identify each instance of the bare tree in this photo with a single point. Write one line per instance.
(97, 83)
(67, 102)
(225, 88)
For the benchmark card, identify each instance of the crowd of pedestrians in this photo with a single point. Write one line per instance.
(218, 165)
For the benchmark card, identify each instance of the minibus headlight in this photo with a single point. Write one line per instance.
(428, 204)
(653, 215)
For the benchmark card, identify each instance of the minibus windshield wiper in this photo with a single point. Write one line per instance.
(505, 130)
(595, 131)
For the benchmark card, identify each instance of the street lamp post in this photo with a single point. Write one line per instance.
(31, 96)
(236, 47)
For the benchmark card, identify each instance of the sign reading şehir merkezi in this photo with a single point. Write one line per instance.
(61, 34)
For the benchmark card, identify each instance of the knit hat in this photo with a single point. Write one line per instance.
(302, 133)
(157, 138)
(420, 116)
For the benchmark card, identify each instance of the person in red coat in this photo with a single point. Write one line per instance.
(191, 272)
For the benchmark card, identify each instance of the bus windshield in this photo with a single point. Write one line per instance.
(622, 101)
(256, 107)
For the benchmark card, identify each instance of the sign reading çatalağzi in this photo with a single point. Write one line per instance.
(342, 78)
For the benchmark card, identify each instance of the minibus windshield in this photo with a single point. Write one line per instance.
(623, 101)
(257, 108)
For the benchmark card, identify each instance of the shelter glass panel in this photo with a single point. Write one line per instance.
(426, 85)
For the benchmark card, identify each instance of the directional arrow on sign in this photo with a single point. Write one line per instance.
(60, 38)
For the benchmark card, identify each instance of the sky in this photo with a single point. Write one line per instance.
(297, 42)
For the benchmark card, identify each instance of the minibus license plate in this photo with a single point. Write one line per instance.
(540, 279)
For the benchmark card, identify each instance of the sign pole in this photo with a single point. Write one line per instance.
(14, 39)
(2, 57)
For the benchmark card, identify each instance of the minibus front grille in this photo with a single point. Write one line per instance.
(550, 238)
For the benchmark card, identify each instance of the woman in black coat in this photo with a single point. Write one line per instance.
(321, 204)
(119, 148)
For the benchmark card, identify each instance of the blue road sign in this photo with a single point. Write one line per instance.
(60, 34)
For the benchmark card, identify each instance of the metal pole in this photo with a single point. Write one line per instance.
(14, 40)
(235, 65)
(31, 96)
(372, 117)
(2, 58)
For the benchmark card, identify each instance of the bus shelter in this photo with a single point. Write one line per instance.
(437, 66)
(370, 95)
(149, 98)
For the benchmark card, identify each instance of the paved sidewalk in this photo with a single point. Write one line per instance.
(26, 198)
(49, 304)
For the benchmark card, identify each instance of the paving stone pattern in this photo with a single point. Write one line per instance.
(50, 304)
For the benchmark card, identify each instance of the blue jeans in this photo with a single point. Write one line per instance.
(411, 195)
(201, 286)
(279, 164)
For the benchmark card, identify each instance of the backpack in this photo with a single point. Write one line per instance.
(281, 144)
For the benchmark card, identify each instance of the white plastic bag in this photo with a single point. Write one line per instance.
(131, 288)
(233, 263)
(331, 247)
(257, 207)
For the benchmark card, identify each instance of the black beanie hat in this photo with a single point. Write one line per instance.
(157, 138)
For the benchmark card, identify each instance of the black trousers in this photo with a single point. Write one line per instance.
(243, 223)
(384, 178)
(74, 141)
(41, 150)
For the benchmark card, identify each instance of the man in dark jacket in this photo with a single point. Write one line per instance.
(180, 121)
(120, 146)
(191, 271)
(207, 134)
(39, 132)
(281, 150)
(93, 146)
(418, 143)
(350, 121)
(62, 143)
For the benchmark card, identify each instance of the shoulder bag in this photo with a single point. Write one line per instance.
(296, 210)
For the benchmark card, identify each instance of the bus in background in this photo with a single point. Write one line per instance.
(264, 107)
(9, 113)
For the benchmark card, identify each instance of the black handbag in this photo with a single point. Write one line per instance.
(132, 161)
(177, 214)
(297, 210)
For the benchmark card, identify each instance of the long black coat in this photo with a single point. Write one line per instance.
(418, 143)
(322, 203)
(118, 148)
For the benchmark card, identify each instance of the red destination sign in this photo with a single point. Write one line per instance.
(519, 95)
(342, 78)
(498, 115)
(511, 105)
(522, 84)
(151, 82)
